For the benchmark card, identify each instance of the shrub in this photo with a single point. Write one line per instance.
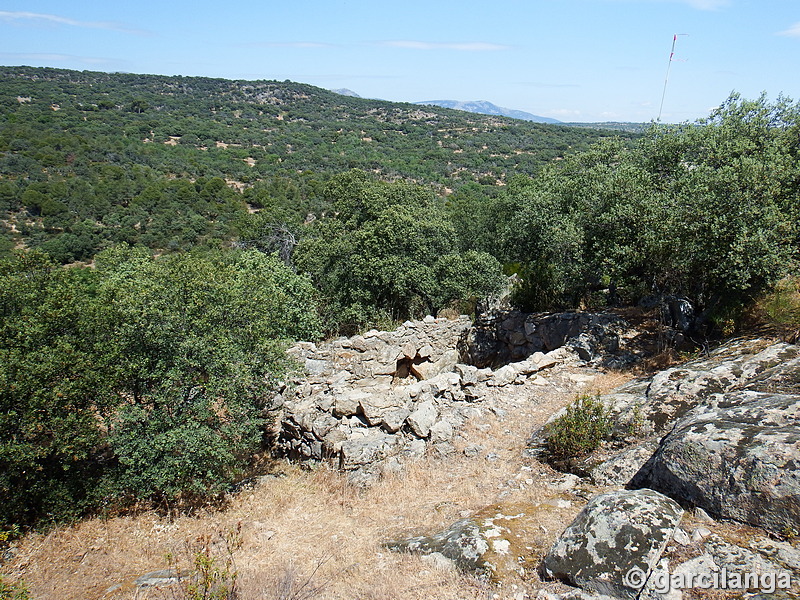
(213, 574)
(580, 430)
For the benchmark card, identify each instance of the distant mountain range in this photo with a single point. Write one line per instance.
(487, 108)
(482, 107)
(346, 92)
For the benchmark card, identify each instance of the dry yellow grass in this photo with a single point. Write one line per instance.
(313, 522)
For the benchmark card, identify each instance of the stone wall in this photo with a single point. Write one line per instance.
(501, 337)
(369, 402)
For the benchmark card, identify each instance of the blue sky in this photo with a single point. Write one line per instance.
(573, 60)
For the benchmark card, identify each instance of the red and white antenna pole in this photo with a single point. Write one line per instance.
(666, 79)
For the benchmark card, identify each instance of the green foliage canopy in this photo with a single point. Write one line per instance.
(389, 248)
(143, 378)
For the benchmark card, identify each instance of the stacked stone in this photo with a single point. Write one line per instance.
(370, 401)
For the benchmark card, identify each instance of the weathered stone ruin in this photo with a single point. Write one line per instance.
(369, 402)
(502, 337)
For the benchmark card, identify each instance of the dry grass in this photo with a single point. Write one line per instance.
(310, 535)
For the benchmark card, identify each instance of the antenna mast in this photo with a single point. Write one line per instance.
(666, 79)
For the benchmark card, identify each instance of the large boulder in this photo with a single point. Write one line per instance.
(738, 457)
(655, 404)
(615, 542)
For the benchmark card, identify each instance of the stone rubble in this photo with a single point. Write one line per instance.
(369, 402)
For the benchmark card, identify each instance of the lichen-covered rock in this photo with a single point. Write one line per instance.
(621, 468)
(491, 543)
(614, 534)
(654, 405)
(738, 458)
(463, 542)
(727, 567)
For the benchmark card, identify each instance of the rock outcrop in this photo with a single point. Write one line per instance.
(721, 432)
(615, 542)
(738, 457)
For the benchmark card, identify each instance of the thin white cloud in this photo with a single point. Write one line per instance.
(460, 46)
(10, 16)
(289, 45)
(706, 4)
(53, 57)
(793, 31)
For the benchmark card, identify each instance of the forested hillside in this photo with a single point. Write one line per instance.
(92, 159)
(224, 219)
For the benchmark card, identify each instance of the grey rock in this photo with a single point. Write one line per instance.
(416, 448)
(346, 404)
(157, 578)
(316, 367)
(323, 424)
(565, 483)
(782, 553)
(426, 351)
(468, 373)
(681, 537)
(375, 407)
(427, 370)
(422, 419)
(614, 533)
(370, 447)
(392, 420)
(439, 561)
(702, 515)
(700, 533)
(736, 559)
(409, 349)
(441, 432)
(739, 461)
(624, 465)
(463, 543)
(504, 376)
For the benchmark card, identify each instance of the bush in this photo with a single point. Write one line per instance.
(580, 430)
(197, 341)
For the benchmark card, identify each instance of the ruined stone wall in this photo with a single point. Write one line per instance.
(371, 401)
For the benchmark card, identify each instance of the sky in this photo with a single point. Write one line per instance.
(572, 60)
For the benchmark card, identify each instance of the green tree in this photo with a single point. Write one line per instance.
(389, 249)
(198, 340)
(53, 398)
